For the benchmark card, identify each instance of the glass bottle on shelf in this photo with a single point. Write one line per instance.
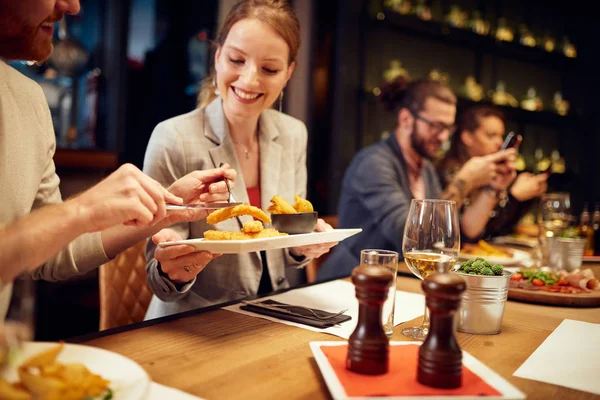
(526, 37)
(560, 105)
(558, 163)
(422, 10)
(456, 17)
(568, 48)
(503, 32)
(395, 70)
(399, 6)
(477, 24)
(542, 163)
(471, 89)
(532, 102)
(585, 231)
(501, 97)
(548, 43)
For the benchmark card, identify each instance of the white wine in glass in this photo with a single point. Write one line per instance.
(431, 243)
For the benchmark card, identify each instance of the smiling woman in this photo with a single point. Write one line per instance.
(234, 123)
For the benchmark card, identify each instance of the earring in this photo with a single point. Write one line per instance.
(214, 82)
(281, 101)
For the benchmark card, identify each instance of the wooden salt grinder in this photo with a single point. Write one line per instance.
(440, 358)
(368, 346)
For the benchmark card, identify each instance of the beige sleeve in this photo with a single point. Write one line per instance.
(84, 253)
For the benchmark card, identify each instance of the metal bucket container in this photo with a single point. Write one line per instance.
(482, 306)
(569, 253)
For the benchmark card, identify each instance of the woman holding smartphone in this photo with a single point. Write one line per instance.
(494, 209)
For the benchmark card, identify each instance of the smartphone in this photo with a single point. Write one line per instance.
(512, 139)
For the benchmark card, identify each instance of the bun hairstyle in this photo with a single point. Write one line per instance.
(400, 93)
(278, 14)
(392, 93)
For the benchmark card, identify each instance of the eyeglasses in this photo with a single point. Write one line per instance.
(435, 127)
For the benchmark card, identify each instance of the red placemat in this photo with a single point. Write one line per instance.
(401, 380)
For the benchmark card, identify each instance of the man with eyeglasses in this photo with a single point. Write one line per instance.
(383, 178)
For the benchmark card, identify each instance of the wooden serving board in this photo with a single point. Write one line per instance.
(590, 299)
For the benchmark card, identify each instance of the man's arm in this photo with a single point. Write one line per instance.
(33, 239)
(197, 186)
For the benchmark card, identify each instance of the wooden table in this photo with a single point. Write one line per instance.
(217, 354)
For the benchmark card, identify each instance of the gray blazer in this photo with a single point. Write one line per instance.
(376, 197)
(200, 140)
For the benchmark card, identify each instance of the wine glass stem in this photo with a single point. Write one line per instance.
(425, 324)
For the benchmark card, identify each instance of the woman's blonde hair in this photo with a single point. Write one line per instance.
(278, 14)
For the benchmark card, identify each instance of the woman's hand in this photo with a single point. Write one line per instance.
(528, 186)
(181, 263)
(315, 250)
(505, 175)
(206, 186)
(481, 171)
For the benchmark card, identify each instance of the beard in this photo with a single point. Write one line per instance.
(20, 41)
(419, 143)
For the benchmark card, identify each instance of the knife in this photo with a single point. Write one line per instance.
(204, 206)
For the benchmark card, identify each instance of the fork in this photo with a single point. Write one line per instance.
(281, 307)
(230, 199)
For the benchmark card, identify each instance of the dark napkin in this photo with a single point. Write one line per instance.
(301, 315)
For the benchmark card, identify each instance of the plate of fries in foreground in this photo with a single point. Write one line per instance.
(256, 233)
(57, 371)
(494, 254)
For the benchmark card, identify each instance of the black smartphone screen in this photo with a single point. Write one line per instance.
(510, 141)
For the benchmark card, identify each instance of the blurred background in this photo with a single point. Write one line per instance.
(140, 62)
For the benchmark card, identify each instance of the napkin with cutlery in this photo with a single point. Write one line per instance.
(300, 314)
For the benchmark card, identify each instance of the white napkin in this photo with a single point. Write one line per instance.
(569, 357)
(161, 392)
(335, 296)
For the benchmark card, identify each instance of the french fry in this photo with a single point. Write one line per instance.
(491, 249)
(302, 205)
(40, 385)
(44, 358)
(9, 392)
(280, 206)
(41, 377)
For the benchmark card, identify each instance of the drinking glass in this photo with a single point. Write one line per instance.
(553, 218)
(389, 260)
(19, 324)
(431, 244)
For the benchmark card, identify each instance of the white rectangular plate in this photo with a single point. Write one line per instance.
(496, 381)
(278, 242)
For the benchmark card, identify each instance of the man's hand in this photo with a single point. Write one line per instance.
(127, 196)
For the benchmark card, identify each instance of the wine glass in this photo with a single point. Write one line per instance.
(431, 244)
(553, 218)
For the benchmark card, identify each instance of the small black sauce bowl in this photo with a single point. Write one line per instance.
(293, 224)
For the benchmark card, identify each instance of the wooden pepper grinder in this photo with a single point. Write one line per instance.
(368, 346)
(440, 357)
